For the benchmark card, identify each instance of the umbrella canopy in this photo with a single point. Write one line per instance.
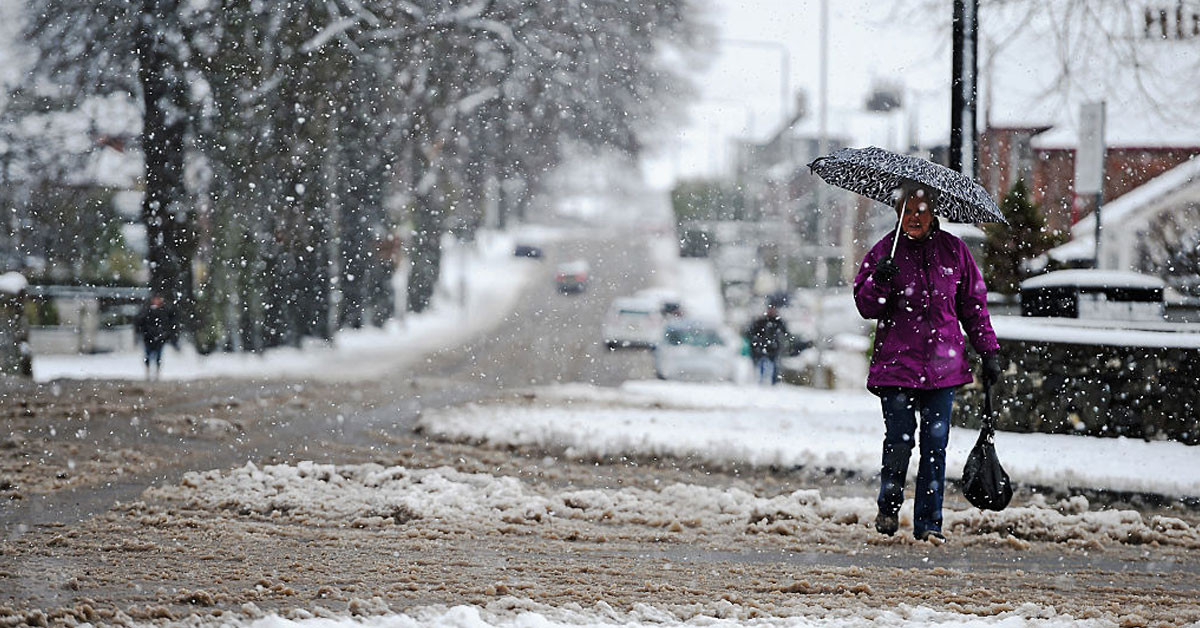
(876, 173)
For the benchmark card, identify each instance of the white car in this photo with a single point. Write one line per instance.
(668, 300)
(695, 351)
(633, 322)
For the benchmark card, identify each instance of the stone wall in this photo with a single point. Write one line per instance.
(1095, 390)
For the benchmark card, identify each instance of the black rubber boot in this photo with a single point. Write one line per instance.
(886, 523)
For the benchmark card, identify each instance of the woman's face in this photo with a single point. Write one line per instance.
(918, 215)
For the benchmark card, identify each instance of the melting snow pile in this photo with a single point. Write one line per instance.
(371, 495)
(512, 612)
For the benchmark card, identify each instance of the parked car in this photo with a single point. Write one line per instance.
(695, 351)
(633, 322)
(571, 277)
(527, 250)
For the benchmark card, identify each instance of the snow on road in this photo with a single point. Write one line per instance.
(714, 424)
(790, 426)
(374, 496)
(380, 498)
(719, 425)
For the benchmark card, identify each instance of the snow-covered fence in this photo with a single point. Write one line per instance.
(1071, 376)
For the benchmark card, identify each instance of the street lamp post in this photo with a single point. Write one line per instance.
(822, 270)
(822, 134)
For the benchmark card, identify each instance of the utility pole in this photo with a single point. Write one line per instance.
(964, 153)
(822, 278)
(822, 270)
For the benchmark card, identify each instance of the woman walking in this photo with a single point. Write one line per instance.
(923, 286)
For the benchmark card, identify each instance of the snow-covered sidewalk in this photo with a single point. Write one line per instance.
(493, 279)
(789, 426)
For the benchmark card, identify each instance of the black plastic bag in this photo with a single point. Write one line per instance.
(984, 482)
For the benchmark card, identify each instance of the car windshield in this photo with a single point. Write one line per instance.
(692, 337)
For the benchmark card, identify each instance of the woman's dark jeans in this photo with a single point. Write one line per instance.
(900, 408)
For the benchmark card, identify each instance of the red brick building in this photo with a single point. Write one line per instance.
(1009, 153)
(1125, 168)
(1006, 155)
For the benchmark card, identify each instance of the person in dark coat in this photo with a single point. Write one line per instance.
(156, 325)
(924, 298)
(767, 335)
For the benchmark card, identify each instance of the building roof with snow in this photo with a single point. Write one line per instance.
(1123, 218)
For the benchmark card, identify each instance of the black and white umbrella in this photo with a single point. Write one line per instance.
(878, 174)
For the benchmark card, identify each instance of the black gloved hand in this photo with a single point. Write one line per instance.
(991, 368)
(885, 271)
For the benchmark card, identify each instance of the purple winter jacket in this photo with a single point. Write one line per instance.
(918, 341)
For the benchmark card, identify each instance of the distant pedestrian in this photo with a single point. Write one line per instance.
(156, 325)
(924, 297)
(768, 336)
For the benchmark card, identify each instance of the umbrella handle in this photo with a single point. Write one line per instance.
(899, 220)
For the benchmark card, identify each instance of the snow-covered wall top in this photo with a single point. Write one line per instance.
(1089, 278)
(1066, 331)
(1124, 211)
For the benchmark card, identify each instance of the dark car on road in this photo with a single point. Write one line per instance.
(527, 250)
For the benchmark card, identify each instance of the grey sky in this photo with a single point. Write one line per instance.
(873, 40)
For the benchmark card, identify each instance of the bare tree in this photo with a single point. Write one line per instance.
(139, 48)
(299, 120)
(1093, 48)
(1170, 249)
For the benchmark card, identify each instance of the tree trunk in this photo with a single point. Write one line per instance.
(169, 222)
(426, 251)
(357, 217)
